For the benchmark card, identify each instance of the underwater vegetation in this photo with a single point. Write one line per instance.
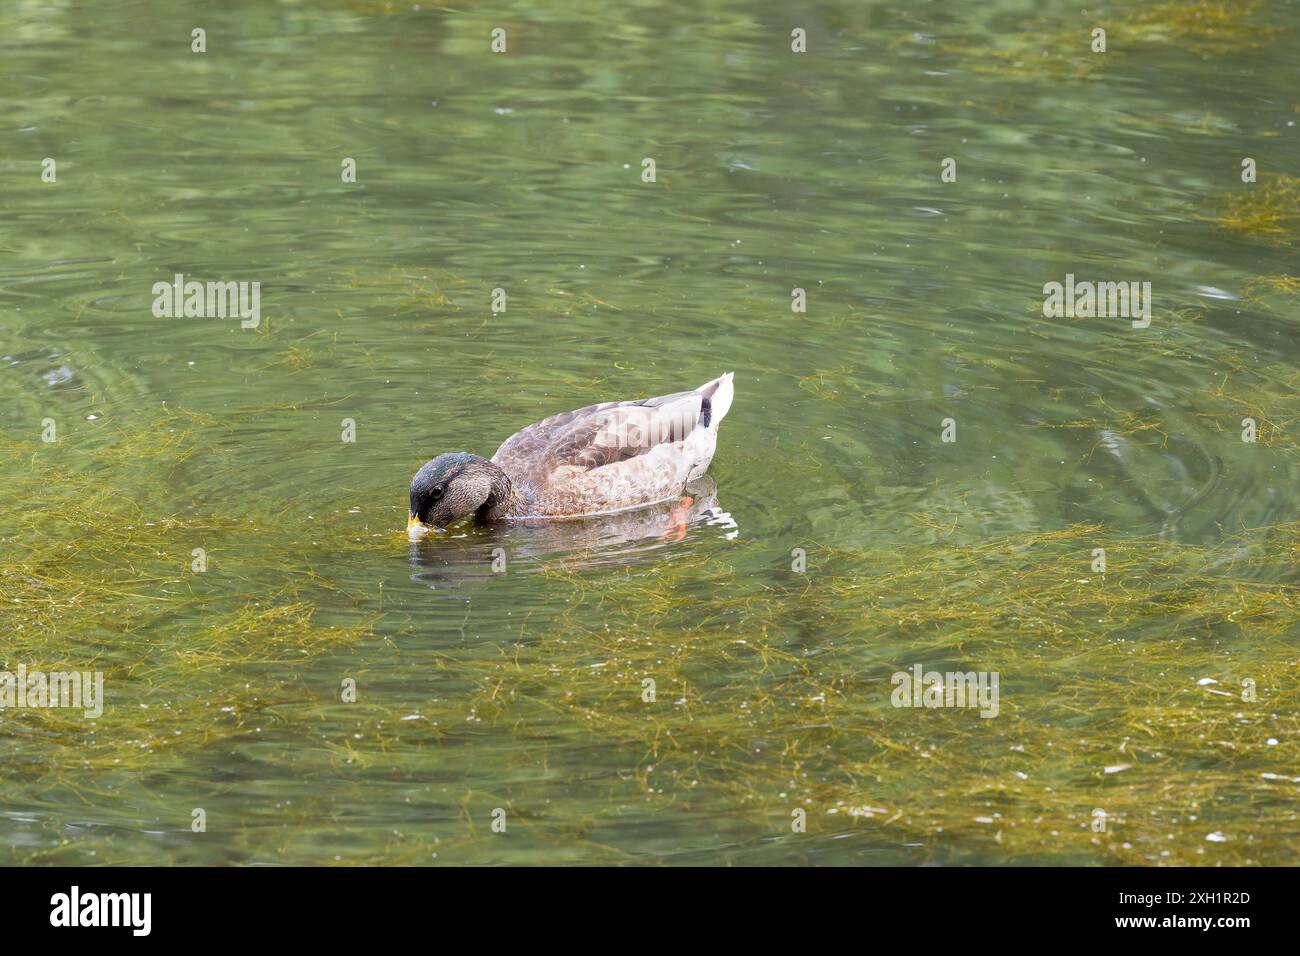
(1269, 210)
(1203, 27)
(773, 693)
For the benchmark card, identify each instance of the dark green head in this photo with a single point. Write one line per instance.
(455, 486)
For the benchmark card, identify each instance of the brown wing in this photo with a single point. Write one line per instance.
(599, 435)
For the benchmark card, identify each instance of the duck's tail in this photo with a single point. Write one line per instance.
(717, 399)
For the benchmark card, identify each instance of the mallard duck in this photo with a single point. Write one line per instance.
(595, 460)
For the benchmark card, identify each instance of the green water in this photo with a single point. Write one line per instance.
(520, 689)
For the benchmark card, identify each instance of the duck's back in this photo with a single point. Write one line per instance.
(615, 455)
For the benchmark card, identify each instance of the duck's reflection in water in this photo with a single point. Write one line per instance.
(468, 556)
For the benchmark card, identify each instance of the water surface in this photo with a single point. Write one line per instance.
(838, 539)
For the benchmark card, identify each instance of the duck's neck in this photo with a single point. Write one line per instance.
(503, 501)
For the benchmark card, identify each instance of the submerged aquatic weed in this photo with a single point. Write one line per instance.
(773, 690)
(1048, 53)
(1204, 26)
(1269, 210)
(109, 587)
(1260, 288)
(771, 697)
(1208, 27)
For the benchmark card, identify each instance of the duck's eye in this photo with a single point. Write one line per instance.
(437, 492)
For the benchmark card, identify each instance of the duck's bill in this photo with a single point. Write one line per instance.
(415, 528)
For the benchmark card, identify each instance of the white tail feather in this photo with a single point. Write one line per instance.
(719, 392)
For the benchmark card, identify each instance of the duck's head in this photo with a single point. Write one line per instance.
(449, 488)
